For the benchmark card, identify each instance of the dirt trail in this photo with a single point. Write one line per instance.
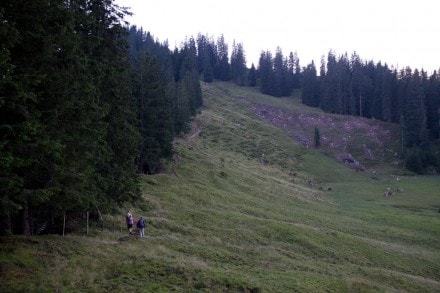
(194, 135)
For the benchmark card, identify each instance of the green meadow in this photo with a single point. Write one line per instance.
(244, 207)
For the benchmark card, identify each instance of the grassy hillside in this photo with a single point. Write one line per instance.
(245, 206)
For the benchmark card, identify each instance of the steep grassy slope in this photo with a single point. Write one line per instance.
(235, 212)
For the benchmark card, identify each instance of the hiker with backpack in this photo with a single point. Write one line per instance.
(141, 226)
(130, 221)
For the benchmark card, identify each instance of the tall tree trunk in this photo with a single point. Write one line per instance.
(26, 222)
(5, 225)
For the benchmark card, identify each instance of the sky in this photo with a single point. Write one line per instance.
(399, 33)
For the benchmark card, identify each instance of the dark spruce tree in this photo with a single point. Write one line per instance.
(317, 138)
(294, 60)
(415, 112)
(252, 77)
(376, 108)
(329, 85)
(367, 89)
(386, 91)
(154, 87)
(356, 83)
(222, 66)
(202, 43)
(206, 57)
(278, 74)
(238, 64)
(265, 72)
(310, 88)
(433, 106)
(154, 115)
(289, 75)
(117, 175)
(188, 92)
(344, 95)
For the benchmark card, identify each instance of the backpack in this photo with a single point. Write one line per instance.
(141, 224)
(129, 220)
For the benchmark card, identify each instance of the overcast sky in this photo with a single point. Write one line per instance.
(400, 33)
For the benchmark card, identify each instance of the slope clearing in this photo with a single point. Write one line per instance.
(248, 205)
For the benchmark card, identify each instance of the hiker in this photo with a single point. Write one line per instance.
(141, 225)
(129, 220)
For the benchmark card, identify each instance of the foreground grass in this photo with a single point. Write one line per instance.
(236, 213)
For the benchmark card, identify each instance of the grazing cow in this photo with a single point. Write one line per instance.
(399, 189)
(388, 192)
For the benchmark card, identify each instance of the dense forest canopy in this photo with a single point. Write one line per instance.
(87, 104)
(81, 112)
(67, 127)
